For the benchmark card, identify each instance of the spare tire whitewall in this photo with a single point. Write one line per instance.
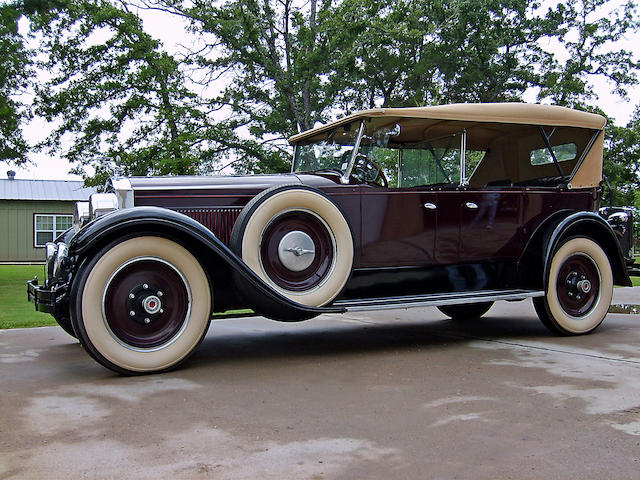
(142, 305)
(297, 240)
(579, 290)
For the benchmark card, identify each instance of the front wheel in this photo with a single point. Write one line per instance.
(64, 321)
(579, 288)
(142, 305)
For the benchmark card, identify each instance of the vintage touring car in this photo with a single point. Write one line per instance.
(453, 206)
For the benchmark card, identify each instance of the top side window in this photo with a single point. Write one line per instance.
(563, 153)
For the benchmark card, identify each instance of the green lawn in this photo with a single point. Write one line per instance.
(15, 310)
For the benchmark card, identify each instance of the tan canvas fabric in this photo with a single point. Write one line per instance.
(486, 123)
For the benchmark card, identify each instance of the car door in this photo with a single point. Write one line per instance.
(490, 224)
(398, 227)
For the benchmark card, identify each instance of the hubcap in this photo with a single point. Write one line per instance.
(296, 251)
(151, 304)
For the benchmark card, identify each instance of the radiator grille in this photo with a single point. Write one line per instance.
(219, 220)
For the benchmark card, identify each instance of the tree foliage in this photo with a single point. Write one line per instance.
(117, 99)
(587, 34)
(254, 72)
(622, 163)
(15, 61)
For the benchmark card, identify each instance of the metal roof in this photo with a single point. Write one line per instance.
(65, 190)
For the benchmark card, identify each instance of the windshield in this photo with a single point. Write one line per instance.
(332, 152)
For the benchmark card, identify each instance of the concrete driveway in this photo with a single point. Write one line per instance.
(400, 394)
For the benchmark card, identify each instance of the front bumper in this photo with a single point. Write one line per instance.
(48, 300)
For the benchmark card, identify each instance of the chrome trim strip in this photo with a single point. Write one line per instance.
(434, 300)
(160, 188)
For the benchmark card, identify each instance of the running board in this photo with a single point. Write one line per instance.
(434, 300)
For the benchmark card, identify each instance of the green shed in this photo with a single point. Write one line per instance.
(34, 212)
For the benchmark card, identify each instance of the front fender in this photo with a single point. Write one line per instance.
(258, 295)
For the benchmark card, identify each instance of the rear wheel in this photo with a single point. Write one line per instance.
(579, 289)
(142, 305)
(466, 311)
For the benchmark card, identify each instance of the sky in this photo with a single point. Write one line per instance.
(164, 27)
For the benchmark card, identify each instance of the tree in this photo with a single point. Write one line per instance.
(118, 100)
(254, 72)
(15, 71)
(275, 55)
(587, 33)
(622, 163)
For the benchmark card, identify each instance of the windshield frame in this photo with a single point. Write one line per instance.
(344, 179)
(346, 172)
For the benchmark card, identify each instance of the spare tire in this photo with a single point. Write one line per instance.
(298, 241)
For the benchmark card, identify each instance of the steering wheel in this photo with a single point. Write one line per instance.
(369, 171)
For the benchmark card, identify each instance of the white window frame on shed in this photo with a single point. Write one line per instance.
(54, 229)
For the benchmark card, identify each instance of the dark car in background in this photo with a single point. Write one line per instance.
(453, 206)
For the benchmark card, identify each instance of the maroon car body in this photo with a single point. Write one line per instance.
(483, 202)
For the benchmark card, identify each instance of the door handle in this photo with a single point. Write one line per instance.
(471, 205)
(430, 206)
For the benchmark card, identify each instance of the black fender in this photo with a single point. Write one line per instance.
(534, 265)
(217, 259)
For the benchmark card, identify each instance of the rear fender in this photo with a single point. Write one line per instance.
(589, 225)
(221, 264)
(534, 265)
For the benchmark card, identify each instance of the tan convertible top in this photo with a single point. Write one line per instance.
(481, 120)
(514, 113)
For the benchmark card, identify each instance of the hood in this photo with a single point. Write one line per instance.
(128, 187)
